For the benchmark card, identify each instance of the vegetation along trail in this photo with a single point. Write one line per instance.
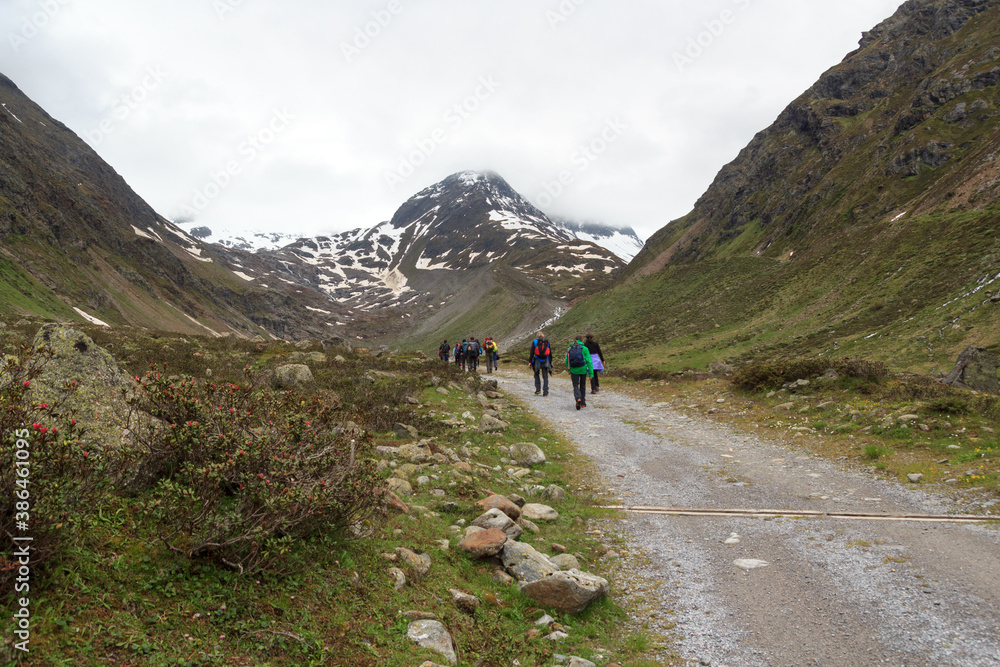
(778, 591)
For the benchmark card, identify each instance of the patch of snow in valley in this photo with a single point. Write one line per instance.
(318, 310)
(90, 318)
(244, 276)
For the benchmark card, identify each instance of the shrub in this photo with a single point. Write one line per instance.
(249, 471)
(50, 476)
(950, 405)
(773, 374)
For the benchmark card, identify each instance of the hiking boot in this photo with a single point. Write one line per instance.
(578, 405)
(537, 393)
(583, 405)
(545, 395)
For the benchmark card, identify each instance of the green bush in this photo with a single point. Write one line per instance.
(950, 405)
(773, 374)
(247, 471)
(51, 477)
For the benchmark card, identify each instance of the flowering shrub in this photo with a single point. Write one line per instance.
(50, 478)
(249, 471)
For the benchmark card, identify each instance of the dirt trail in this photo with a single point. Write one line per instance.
(834, 592)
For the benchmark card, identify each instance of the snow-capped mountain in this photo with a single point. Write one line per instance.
(468, 222)
(622, 241)
(247, 240)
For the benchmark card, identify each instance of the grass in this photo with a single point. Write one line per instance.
(118, 596)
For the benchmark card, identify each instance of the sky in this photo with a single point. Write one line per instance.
(313, 117)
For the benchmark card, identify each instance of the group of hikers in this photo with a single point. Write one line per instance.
(468, 353)
(584, 359)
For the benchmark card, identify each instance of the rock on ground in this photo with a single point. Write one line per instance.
(432, 635)
(483, 543)
(538, 512)
(291, 376)
(568, 592)
(526, 564)
(497, 519)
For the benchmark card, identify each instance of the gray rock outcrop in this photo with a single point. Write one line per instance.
(976, 369)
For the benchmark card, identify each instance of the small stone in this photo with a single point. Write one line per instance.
(914, 477)
(398, 578)
(750, 563)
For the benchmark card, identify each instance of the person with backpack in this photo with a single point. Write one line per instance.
(597, 359)
(444, 351)
(473, 352)
(580, 365)
(490, 349)
(541, 363)
(460, 354)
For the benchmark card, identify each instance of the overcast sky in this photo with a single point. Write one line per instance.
(314, 116)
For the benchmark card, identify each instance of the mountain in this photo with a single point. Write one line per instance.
(247, 240)
(78, 244)
(862, 222)
(448, 252)
(622, 241)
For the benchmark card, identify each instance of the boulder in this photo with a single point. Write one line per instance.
(538, 512)
(405, 432)
(434, 636)
(976, 369)
(419, 452)
(393, 502)
(490, 424)
(554, 492)
(527, 454)
(97, 401)
(463, 600)
(568, 592)
(399, 486)
(525, 563)
(503, 504)
(291, 376)
(483, 543)
(419, 563)
(497, 519)
(566, 562)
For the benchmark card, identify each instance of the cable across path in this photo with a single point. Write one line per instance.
(767, 513)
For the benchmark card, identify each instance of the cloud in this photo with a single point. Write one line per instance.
(372, 82)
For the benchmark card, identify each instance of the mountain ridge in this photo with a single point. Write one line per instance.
(861, 222)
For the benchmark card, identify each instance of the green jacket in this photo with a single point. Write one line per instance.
(587, 370)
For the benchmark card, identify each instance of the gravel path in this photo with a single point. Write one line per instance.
(834, 592)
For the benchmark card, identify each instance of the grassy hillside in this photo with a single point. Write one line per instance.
(862, 223)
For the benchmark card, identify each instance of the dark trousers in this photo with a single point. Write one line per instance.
(541, 374)
(579, 387)
(595, 383)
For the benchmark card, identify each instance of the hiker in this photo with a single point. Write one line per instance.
(444, 351)
(490, 347)
(578, 361)
(460, 356)
(597, 361)
(473, 353)
(541, 362)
